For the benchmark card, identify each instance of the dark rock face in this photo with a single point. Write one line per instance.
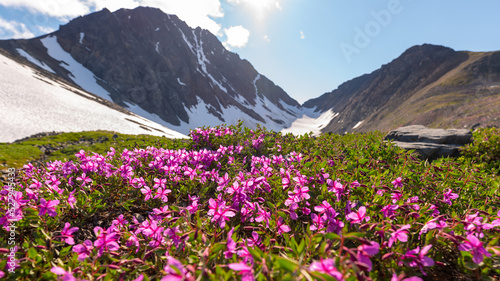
(430, 143)
(154, 60)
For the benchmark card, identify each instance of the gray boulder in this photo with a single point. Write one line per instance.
(430, 143)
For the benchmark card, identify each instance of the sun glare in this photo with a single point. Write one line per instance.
(261, 7)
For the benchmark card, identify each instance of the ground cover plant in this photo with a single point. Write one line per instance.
(64, 146)
(237, 204)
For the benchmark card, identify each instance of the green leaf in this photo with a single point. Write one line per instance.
(332, 236)
(300, 247)
(217, 248)
(65, 251)
(471, 266)
(287, 264)
(256, 253)
(282, 214)
(48, 276)
(363, 161)
(354, 235)
(32, 253)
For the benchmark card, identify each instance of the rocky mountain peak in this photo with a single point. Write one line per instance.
(154, 63)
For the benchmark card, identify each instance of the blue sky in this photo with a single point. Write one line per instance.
(307, 47)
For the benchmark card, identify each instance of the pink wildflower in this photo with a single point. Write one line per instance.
(162, 193)
(245, 271)
(417, 257)
(66, 275)
(47, 207)
(397, 182)
(147, 192)
(175, 270)
(67, 233)
(84, 250)
(105, 241)
(448, 196)
(282, 228)
(399, 234)
(72, 199)
(395, 277)
(358, 217)
(230, 245)
(84, 179)
(365, 252)
(475, 246)
(328, 267)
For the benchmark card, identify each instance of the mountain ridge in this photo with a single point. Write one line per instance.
(153, 63)
(405, 92)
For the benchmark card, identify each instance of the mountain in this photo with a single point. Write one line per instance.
(35, 101)
(427, 85)
(156, 66)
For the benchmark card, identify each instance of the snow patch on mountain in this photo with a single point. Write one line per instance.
(311, 121)
(180, 82)
(81, 75)
(32, 103)
(203, 61)
(255, 84)
(33, 60)
(82, 35)
(358, 124)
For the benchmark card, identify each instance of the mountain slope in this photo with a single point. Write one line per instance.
(34, 101)
(428, 85)
(157, 66)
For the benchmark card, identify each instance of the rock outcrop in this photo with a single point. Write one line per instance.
(430, 143)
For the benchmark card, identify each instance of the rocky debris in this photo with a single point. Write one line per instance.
(4, 176)
(430, 143)
(39, 135)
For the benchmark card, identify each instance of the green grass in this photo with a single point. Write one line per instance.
(15, 155)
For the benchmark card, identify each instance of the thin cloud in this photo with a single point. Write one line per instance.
(267, 38)
(302, 36)
(260, 7)
(237, 36)
(14, 29)
(57, 9)
(203, 15)
(278, 5)
(45, 29)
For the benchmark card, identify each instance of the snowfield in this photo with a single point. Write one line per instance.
(310, 122)
(31, 103)
(79, 74)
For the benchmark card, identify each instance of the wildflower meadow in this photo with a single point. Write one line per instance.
(237, 204)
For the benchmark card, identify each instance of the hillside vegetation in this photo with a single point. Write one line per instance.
(236, 204)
